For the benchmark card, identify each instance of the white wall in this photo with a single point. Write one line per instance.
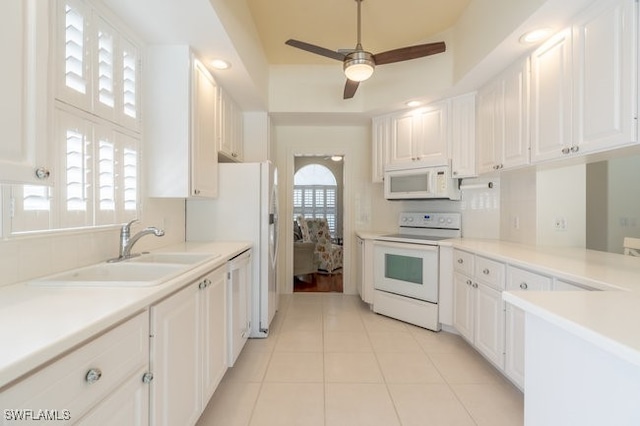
(561, 194)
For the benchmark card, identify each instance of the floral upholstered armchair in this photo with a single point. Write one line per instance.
(329, 255)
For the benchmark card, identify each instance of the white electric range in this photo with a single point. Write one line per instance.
(407, 264)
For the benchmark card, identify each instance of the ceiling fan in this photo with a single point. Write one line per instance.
(358, 64)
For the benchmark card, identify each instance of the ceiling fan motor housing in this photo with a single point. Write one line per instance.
(359, 65)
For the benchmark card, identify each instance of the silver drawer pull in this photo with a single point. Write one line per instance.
(93, 375)
(460, 261)
(485, 271)
(475, 285)
(523, 286)
(469, 282)
(147, 377)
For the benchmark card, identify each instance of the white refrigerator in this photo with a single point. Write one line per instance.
(246, 209)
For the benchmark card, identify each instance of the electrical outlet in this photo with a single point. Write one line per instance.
(560, 224)
(516, 222)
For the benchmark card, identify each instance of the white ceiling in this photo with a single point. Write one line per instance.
(386, 25)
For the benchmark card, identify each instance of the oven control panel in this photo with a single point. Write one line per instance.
(430, 220)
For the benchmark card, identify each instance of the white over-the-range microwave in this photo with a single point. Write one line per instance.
(421, 184)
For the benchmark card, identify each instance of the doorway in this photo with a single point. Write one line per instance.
(318, 224)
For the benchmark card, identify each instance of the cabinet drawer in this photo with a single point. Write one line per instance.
(490, 272)
(463, 262)
(521, 279)
(65, 384)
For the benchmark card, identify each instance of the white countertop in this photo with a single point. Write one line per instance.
(608, 319)
(38, 324)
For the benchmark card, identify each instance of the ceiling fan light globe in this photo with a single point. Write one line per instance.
(359, 66)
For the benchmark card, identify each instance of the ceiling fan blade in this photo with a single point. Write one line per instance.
(407, 53)
(315, 49)
(350, 88)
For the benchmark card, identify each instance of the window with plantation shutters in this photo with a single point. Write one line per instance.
(106, 163)
(129, 79)
(106, 65)
(129, 173)
(315, 194)
(75, 48)
(98, 64)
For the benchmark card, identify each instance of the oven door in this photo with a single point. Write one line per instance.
(407, 269)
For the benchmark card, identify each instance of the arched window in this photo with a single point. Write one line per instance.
(315, 193)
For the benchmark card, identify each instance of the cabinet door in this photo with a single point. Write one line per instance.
(489, 324)
(176, 358)
(604, 54)
(127, 405)
(463, 136)
(204, 156)
(490, 127)
(515, 149)
(551, 83)
(463, 305)
(359, 265)
(214, 327)
(24, 102)
(514, 344)
(431, 135)
(381, 128)
(402, 136)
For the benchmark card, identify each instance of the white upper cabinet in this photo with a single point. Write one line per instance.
(503, 137)
(584, 84)
(551, 79)
(180, 124)
(463, 136)
(97, 65)
(381, 133)
(230, 128)
(605, 71)
(420, 137)
(24, 104)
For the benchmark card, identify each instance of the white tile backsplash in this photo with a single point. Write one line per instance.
(28, 257)
(480, 208)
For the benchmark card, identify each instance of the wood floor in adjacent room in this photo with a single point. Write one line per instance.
(318, 283)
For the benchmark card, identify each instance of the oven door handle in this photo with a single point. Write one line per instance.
(412, 246)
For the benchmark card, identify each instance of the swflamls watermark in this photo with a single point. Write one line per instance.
(37, 415)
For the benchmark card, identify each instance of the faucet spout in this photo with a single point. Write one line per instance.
(151, 230)
(127, 241)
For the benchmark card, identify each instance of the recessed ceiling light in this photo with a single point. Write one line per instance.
(535, 36)
(336, 157)
(220, 64)
(414, 104)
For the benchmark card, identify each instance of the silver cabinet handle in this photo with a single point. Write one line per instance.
(201, 285)
(42, 173)
(566, 150)
(469, 282)
(196, 191)
(460, 261)
(207, 282)
(93, 375)
(575, 148)
(485, 271)
(147, 377)
(475, 285)
(523, 286)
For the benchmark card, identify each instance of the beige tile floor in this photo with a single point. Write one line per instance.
(330, 361)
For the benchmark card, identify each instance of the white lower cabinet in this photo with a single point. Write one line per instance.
(188, 350)
(239, 304)
(478, 307)
(524, 280)
(364, 283)
(103, 379)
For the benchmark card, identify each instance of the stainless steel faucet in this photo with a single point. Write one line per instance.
(127, 241)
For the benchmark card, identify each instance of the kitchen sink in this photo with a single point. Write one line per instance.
(175, 258)
(121, 274)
